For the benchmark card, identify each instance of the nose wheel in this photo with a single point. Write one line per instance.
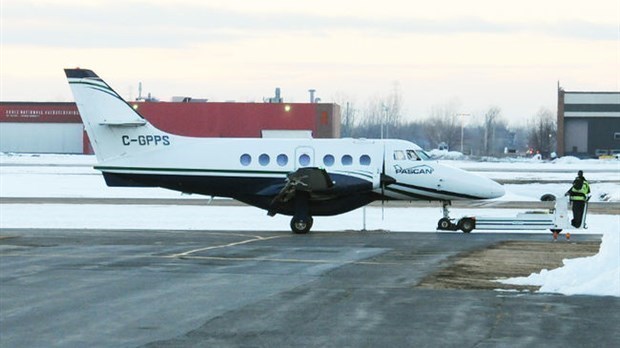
(446, 223)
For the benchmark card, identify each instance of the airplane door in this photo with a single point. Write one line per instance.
(304, 157)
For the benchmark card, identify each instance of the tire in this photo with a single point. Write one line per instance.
(467, 225)
(547, 197)
(444, 224)
(301, 226)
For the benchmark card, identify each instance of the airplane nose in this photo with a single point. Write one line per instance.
(493, 190)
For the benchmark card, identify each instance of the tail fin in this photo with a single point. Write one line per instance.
(113, 126)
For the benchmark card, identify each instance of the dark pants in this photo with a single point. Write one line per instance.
(578, 207)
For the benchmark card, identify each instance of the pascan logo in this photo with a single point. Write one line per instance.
(146, 140)
(421, 169)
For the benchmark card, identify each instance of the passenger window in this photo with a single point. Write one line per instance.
(329, 160)
(245, 159)
(399, 155)
(365, 160)
(411, 155)
(347, 160)
(263, 159)
(282, 160)
(304, 160)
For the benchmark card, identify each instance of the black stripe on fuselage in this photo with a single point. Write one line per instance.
(432, 192)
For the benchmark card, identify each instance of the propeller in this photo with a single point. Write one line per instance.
(384, 181)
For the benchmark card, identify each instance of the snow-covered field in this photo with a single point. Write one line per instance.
(72, 176)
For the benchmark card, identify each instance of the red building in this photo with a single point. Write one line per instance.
(57, 127)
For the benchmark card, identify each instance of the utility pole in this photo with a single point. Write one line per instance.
(462, 124)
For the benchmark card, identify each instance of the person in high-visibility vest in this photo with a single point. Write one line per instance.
(578, 196)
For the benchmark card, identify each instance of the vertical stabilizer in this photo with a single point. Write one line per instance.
(113, 126)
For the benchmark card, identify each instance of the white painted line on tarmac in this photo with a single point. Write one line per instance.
(255, 239)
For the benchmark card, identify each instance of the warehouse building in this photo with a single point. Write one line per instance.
(588, 123)
(57, 127)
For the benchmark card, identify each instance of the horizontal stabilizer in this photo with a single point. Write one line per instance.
(123, 123)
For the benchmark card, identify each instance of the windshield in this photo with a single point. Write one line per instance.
(423, 155)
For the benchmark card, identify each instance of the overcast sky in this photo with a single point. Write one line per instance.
(477, 52)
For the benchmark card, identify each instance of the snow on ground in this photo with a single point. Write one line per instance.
(73, 176)
(593, 275)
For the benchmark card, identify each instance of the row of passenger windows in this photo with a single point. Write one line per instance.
(304, 160)
(329, 160)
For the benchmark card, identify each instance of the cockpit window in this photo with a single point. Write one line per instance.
(399, 155)
(423, 155)
(412, 156)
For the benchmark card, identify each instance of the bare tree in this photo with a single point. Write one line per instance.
(542, 132)
(443, 124)
(491, 122)
(382, 115)
(392, 106)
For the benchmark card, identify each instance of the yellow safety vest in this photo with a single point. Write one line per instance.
(580, 195)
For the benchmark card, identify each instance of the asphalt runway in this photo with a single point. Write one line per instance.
(132, 288)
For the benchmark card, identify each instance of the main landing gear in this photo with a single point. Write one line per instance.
(447, 224)
(301, 225)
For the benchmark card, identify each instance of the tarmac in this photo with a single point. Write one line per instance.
(158, 288)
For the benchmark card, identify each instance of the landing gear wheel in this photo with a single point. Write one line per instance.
(301, 226)
(466, 225)
(444, 224)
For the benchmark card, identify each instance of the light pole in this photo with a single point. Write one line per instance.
(462, 122)
(384, 110)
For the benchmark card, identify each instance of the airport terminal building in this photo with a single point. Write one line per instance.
(588, 123)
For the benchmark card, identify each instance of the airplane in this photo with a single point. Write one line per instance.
(302, 178)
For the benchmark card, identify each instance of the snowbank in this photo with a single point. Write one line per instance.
(445, 154)
(593, 275)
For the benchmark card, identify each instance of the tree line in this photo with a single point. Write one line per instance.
(486, 134)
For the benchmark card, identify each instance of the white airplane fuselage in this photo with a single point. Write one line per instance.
(274, 174)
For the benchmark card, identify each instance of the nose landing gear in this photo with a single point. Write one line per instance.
(447, 224)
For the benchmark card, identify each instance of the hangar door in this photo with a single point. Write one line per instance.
(41, 137)
(576, 136)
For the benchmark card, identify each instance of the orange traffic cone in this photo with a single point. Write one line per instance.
(567, 235)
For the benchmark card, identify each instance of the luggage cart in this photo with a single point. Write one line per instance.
(555, 220)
